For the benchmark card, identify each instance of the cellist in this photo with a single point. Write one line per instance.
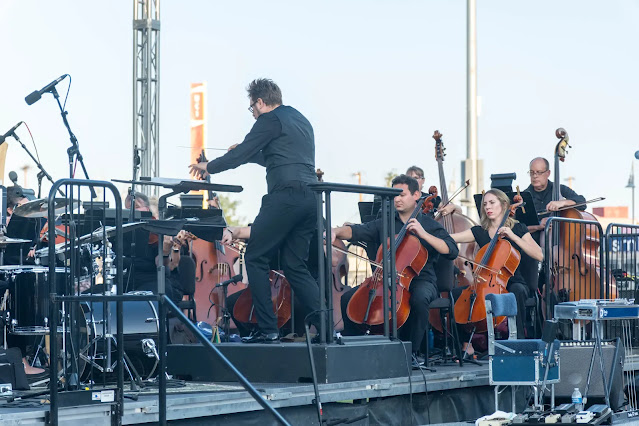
(495, 205)
(423, 289)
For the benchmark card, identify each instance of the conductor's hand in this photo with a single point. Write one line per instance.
(414, 227)
(198, 170)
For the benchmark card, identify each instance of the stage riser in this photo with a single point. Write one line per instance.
(289, 363)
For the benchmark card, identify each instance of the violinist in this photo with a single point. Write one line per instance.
(541, 189)
(282, 140)
(495, 205)
(423, 287)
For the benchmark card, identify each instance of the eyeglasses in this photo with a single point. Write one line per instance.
(534, 173)
(251, 107)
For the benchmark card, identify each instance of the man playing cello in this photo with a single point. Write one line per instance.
(423, 289)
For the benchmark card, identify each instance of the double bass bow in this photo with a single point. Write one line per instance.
(366, 307)
(496, 263)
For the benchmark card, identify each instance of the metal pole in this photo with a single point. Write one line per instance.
(471, 103)
(329, 274)
(322, 265)
(385, 263)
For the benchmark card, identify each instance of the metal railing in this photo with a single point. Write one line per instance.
(324, 190)
(573, 257)
(622, 272)
(69, 294)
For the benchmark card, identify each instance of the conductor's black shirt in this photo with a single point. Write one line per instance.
(281, 140)
(371, 233)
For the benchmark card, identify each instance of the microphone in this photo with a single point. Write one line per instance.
(36, 95)
(10, 132)
(14, 177)
(235, 279)
(637, 155)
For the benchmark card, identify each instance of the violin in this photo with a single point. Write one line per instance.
(576, 244)
(453, 223)
(366, 307)
(496, 263)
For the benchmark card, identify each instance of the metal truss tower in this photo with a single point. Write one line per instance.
(146, 89)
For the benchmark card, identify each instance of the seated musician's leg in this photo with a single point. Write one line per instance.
(421, 295)
(520, 290)
(464, 336)
(350, 328)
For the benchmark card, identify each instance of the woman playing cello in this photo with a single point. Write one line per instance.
(494, 206)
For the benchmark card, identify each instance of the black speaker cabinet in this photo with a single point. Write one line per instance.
(575, 361)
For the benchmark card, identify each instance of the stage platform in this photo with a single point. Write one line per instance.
(228, 403)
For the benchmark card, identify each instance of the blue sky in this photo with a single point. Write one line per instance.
(375, 78)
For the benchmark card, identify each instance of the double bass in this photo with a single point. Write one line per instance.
(496, 263)
(453, 223)
(578, 275)
(366, 307)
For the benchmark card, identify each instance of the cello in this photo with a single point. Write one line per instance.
(496, 263)
(366, 307)
(453, 223)
(579, 275)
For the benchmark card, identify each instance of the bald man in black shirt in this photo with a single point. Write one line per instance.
(541, 189)
(282, 140)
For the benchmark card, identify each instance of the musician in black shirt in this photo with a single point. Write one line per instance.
(495, 205)
(434, 238)
(282, 140)
(541, 189)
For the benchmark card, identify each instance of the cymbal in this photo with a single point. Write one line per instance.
(5, 241)
(40, 207)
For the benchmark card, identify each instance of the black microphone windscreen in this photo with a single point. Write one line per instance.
(13, 176)
(237, 278)
(33, 98)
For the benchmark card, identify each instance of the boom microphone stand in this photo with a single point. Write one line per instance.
(74, 150)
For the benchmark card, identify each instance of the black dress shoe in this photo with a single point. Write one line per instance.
(260, 337)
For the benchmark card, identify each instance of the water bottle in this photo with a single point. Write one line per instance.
(577, 400)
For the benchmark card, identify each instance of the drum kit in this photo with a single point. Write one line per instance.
(26, 306)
